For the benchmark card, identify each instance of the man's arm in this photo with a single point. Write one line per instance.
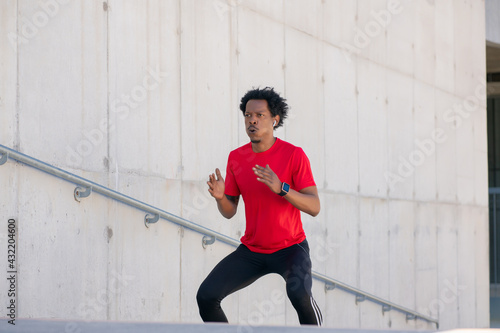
(306, 200)
(226, 204)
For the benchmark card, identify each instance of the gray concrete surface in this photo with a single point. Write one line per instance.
(52, 326)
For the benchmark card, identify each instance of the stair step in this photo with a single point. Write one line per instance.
(51, 325)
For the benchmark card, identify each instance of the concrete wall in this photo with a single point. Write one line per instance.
(492, 8)
(387, 99)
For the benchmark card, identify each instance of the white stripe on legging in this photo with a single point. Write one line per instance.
(317, 312)
(320, 313)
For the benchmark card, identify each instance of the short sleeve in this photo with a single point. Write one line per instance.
(231, 187)
(302, 174)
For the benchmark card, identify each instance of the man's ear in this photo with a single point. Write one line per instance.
(277, 120)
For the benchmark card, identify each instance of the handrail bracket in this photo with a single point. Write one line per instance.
(330, 286)
(410, 316)
(82, 192)
(360, 298)
(149, 219)
(207, 240)
(3, 158)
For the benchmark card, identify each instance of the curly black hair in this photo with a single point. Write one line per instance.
(277, 104)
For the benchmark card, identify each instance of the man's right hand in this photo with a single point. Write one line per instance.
(216, 185)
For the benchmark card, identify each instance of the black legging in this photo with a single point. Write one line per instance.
(242, 267)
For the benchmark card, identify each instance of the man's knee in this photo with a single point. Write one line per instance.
(206, 296)
(202, 296)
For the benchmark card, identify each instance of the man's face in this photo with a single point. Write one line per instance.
(259, 120)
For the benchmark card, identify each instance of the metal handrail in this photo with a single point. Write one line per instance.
(154, 213)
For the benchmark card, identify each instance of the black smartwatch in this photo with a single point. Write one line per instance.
(285, 187)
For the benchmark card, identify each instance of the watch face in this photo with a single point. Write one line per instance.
(286, 187)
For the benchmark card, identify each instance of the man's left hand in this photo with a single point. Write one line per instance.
(267, 176)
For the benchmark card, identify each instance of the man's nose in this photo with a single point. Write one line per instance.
(253, 120)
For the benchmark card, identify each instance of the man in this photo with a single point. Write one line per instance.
(276, 182)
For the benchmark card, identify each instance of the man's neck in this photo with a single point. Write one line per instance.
(263, 145)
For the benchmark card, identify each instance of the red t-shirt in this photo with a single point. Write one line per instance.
(272, 223)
